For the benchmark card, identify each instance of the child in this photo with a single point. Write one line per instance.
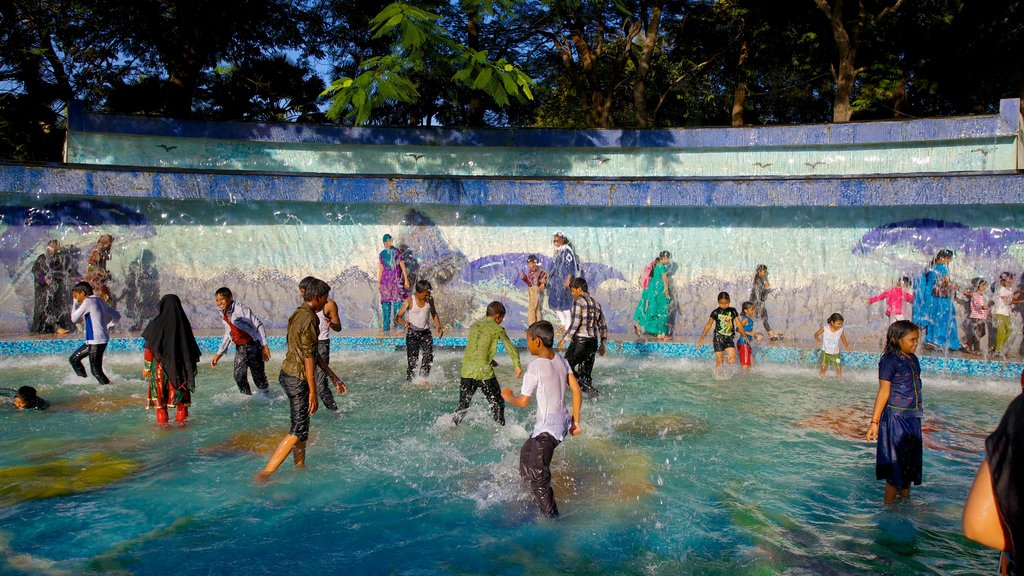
(25, 398)
(1001, 310)
(298, 376)
(99, 316)
(547, 376)
(420, 309)
(746, 334)
(894, 299)
(536, 279)
(725, 319)
(170, 360)
(329, 320)
(977, 321)
(829, 336)
(245, 329)
(587, 334)
(759, 290)
(896, 417)
(478, 363)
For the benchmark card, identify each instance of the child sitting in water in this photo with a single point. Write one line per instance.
(894, 299)
(725, 319)
(829, 336)
(477, 370)
(896, 416)
(547, 376)
(25, 398)
(415, 314)
(743, 348)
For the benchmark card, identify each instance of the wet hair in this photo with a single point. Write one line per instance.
(944, 253)
(905, 280)
(662, 254)
(423, 286)
(836, 317)
(578, 283)
(977, 282)
(223, 292)
(304, 283)
(495, 309)
(27, 394)
(533, 258)
(82, 287)
(897, 330)
(315, 289)
(543, 330)
(747, 304)
(722, 295)
(760, 268)
(665, 254)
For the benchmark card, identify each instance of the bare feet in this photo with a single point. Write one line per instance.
(637, 330)
(62, 331)
(664, 337)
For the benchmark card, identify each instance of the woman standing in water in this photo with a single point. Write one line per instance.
(171, 358)
(564, 267)
(758, 294)
(935, 311)
(651, 316)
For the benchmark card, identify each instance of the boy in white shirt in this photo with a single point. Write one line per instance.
(98, 317)
(547, 377)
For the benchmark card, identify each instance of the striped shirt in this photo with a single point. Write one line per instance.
(587, 319)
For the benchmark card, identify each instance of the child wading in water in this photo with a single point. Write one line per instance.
(746, 335)
(894, 298)
(725, 319)
(896, 417)
(977, 321)
(547, 377)
(829, 336)
(415, 314)
(478, 364)
(98, 316)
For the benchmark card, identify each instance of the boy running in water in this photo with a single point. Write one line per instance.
(478, 363)
(245, 329)
(99, 316)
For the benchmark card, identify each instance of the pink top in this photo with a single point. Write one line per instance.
(979, 308)
(894, 298)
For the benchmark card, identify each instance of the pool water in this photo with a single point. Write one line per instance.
(676, 472)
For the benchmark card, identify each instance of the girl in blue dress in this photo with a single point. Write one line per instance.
(896, 417)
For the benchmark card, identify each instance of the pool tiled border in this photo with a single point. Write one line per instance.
(774, 355)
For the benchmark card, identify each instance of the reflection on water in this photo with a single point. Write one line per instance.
(675, 473)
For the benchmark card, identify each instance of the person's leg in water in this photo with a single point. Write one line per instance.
(241, 370)
(257, 366)
(580, 356)
(297, 392)
(492, 392)
(416, 342)
(96, 362)
(427, 351)
(467, 387)
(535, 467)
(76, 360)
(323, 390)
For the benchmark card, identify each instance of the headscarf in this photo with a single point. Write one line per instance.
(169, 336)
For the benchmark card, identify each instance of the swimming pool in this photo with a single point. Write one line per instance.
(676, 473)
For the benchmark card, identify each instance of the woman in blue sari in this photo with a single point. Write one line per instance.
(933, 305)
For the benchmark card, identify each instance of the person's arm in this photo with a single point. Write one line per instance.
(510, 348)
(333, 315)
(981, 521)
(842, 337)
(574, 325)
(78, 311)
(400, 317)
(711, 322)
(308, 367)
(817, 335)
(876, 412)
(224, 343)
(519, 401)
(338, 384)
(543, 280)
(908, 296)
(380, 273)
(664, 282)
(602, 330)
(738, 325)
(261, 332)
(874, 299)
(437, 322)
(405, 275)
(577, 404)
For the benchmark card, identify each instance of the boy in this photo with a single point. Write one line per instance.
(298, 377)
(25, 398)
(746, 354)
(536, 279)
(329, 320)
(245, 329)
(547, 376)
(587, 335)
(99, 316)
(478, 363)
(725, 319)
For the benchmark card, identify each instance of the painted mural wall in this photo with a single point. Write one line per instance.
(821, 260)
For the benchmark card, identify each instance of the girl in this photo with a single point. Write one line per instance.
(758, 294)
(725, 320)
(651, 316)
(896, 417)
(1001, 309)
(746, 335)
(977, 343)
(171, 357)
(829, 336)
(564, 268)
(415, 315)
(894, 298)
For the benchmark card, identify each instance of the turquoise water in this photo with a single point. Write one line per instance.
(676, 473)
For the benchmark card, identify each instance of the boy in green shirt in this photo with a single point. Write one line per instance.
(478, 363)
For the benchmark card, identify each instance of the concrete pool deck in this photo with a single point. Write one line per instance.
(788, 351)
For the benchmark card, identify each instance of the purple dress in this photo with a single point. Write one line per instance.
(392, 287)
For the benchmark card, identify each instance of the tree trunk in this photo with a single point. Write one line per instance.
(643, 67)
(739, 97)
(845, 76)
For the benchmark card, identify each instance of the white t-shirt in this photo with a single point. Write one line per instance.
(548, 379)
(830, 340)
(98, 315)
(1002, 303)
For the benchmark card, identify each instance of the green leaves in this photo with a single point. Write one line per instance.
(419, 45)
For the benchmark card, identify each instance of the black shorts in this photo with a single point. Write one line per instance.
(722, 342)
